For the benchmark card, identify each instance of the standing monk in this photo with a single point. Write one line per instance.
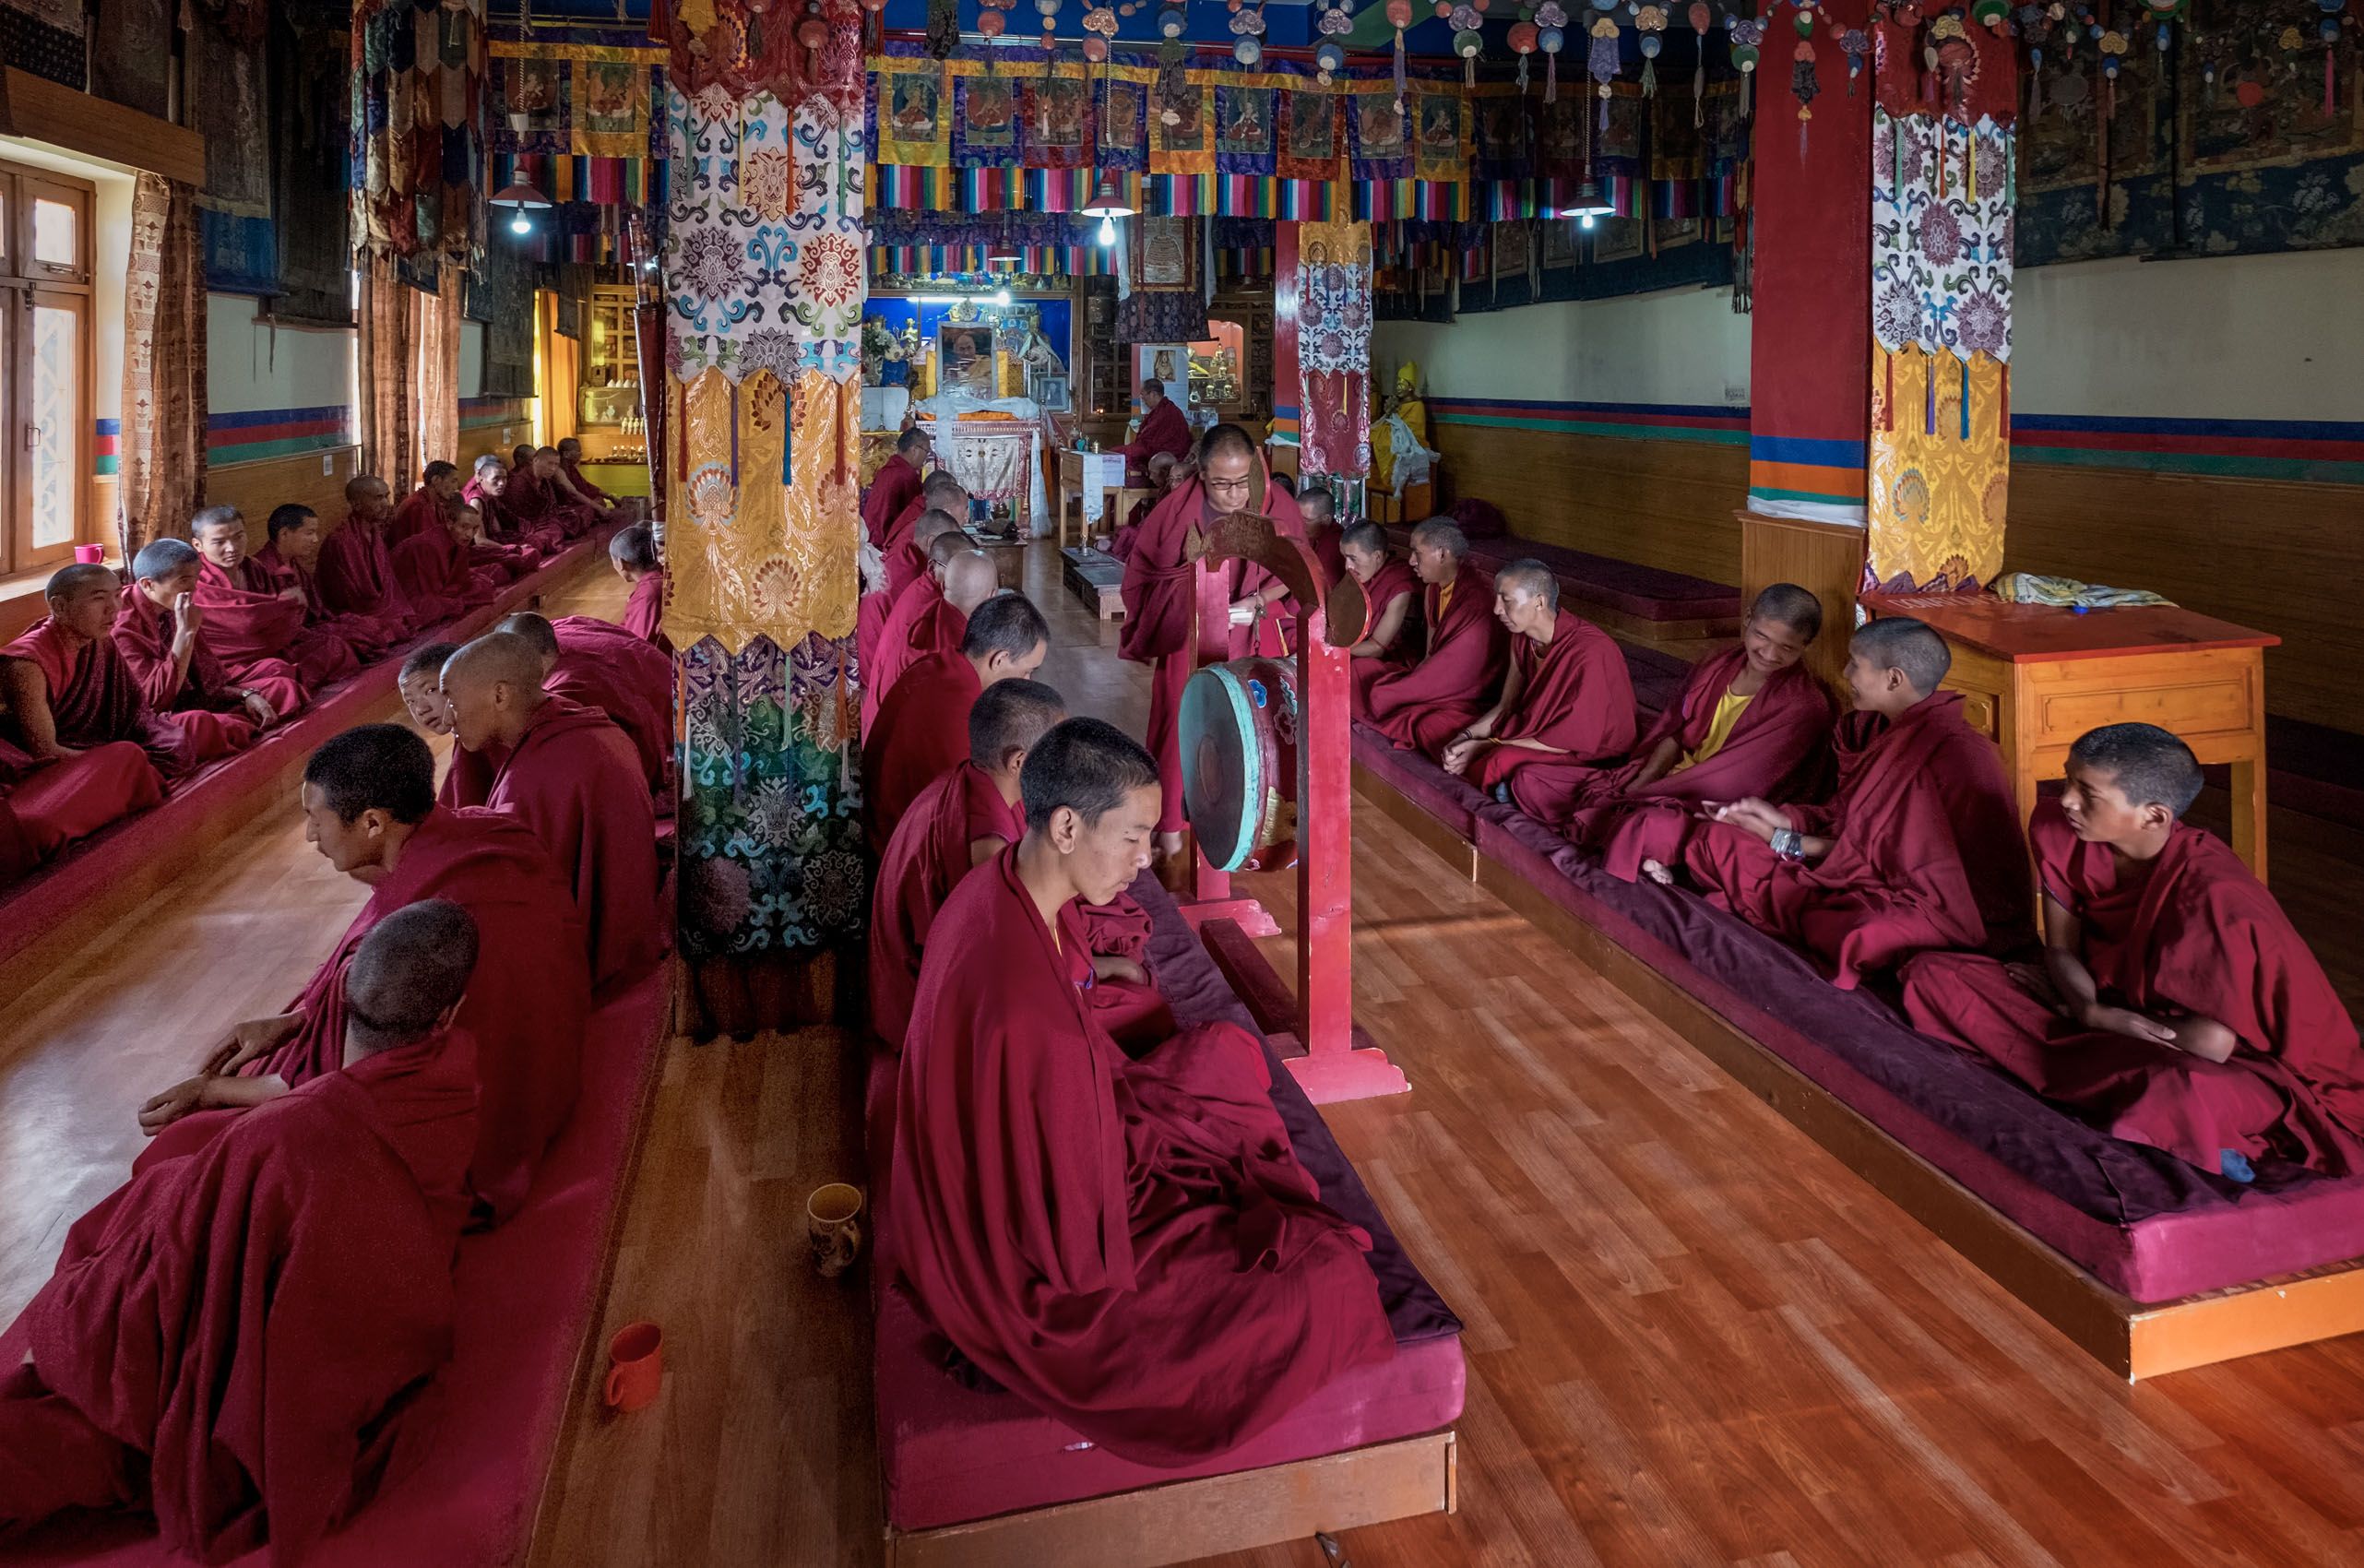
(1128, 1245)
(291, 559)
(598, 665)
(896, 483)
(1751, 721)
(568, 773)
(1461, 664)
(1160, 591)
(369, 808)
(228, 1337)
(929, 617)
(1918, 849)
(357, 566)
(1566, 704)
(632, 553)
(2175, 1006)
(922, 729)
(159, 631)
(426, 507)
(73, 698)
(257, 626)
(1164, 428)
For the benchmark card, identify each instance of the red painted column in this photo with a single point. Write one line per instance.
(1286, 416)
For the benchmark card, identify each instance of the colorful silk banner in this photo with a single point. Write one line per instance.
(1334, 347)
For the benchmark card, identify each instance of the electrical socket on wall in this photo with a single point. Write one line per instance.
(328, 463)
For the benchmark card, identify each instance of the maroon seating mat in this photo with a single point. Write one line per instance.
(1453, 802)
(1648, 593)
(473, 1456)
(953, 1454)
(2140, 1222)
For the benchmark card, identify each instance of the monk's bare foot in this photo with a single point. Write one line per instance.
(1657, 872)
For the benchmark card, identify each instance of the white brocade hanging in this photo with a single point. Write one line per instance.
(1942, 234)
(1334, 348)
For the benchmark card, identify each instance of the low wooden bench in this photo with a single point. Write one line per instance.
(1096, 578)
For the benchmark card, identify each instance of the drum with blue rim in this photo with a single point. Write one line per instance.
(1239, 755)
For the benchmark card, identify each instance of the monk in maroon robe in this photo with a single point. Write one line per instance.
(932, 615)
(570, 471)
(47, 803)
(597, 664)
(1160, 591)
(436, 565)
(1920, 848)
(357, 566)
(922, 729)
(255, 626)
(1389, 592)
(632, 553)
(535, 497)
(568, 773)
(903, 552)
(1128, 1244)
(1567, 703)
(486, 491)
(1162, 471)
(424, 507)
(161, 631)
(1752, 721)
(1164, 428)
(1460, 670)
(291, 559)
(72, 696)
(2174, 1005)
(229, 1338)
(896, 483)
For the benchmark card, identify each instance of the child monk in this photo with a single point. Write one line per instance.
(161, 631)
(258, 626)
(922, 729)
(932, 616)
(1128, 1243)
(1749, 721)
(633, 553)
(2175, 1006)
(1388, 594)
(292, 559)
(1920, 848)
(1460, 670)
(228, 1337)
(538, 496)
(1566, 702)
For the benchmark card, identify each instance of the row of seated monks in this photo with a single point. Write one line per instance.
(126, 688)
(235, 1340)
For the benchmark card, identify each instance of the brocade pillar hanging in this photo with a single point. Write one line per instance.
(1944, 150)
(1334, 348)
(764, 276)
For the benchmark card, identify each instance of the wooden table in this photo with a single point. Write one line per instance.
(1114, 498)
(2034, 677)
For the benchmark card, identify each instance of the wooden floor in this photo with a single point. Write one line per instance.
(1693, 1339)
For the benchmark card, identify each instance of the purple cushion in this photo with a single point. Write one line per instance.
(1657, 678)
(1647, 593)
(1453, 802)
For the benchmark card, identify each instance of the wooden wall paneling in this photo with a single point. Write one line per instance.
(1826, 558)
(497, 439)
(44, 110)
(315, 479)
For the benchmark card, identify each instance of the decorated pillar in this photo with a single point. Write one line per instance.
(1333, 277)
(764, 276)
(1288, 395)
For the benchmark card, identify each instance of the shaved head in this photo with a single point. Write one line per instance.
(83, 578)
(969, 579)
(1530, 578)
(934, 524)
(536, 629)
(408, 975)
(1008, 719)
(494, 688)
(949, 543)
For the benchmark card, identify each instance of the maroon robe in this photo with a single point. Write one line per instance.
(46, 803)
(1165, 429)
(894, 486)
(924, 622)
(601, 665)
(1776, 750)
(420, 510)
(256, 633)
(1130, 1246)
(142, 635)
(1393, 582)
(1423, 705)
(1160, 606)
(227, 1333)
(899, 533)
(536, 505)
(921, 733)
(575, 779)
(501, 526)
(644, 612)
(432, 565)
(94, 699)
(1928, 852)
(583, 487)
(526, 1008)
(1578, 699)
(357, 579)
(370, 637)
(2192, 933)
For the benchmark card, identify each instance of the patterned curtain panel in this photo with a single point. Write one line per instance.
(418, 132)
(437, 350)
(389, 421)
(1334, 347)
(163, 443)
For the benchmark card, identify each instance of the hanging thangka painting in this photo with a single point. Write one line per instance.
(230, 109)
(1310, 149)
(1376, 135)
(1334, 348)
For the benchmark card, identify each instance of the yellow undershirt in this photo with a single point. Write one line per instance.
(1444, 600)
(1728, 709)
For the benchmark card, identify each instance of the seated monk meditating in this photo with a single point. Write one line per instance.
(439, 563)
(2175, 1006)
(598, 665)
(932, 614)
(357, 565)
(484, 490)
(922, 729)
(73, 699)
(369, 808)
(569, 773)
(292, 559)
(1567, 703)
(570, 474)
(1751, 721)
(538, 496)
(231, 1337)
(1388, 593)
(1161, 595)
(159, 631)
(633, 553)
(1920, 848)
(256, 625)
(897, 482)
(1128, 1243)
(1423, 704)
(424, 507)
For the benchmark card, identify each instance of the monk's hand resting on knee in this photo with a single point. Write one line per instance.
(259, 708)
(2036, 981)
(161, 1110)
(1115, 966)
(1460, 750)
(2126, 1021)
(255, 1037)
(1752, 816)
(203, 1093)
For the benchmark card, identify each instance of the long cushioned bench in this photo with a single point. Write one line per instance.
(2140, 1222)
(953, 1454)
(97, 881)
(1623, 596)
(476, 1451)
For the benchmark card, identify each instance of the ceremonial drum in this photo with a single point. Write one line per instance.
(1239, 752)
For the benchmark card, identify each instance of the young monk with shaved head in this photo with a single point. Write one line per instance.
(357, 565)
(1566, 702)
(632, 553)
(1920, 848)
(160, 629)
(74, 740)
(1424, 705)
(436, 565)
(600, 665)
(256, 623)
(922, 729)
(228, 1333)
(932, 615)
(897, 482)
(291, 559)
(1388, 594)
(1096, 1231)
(427, 506)
(2175, 1006)
(570, 774)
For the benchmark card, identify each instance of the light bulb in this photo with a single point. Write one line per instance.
(1001, 296)
(1585, 221)
(520, 225)
(1108, 230)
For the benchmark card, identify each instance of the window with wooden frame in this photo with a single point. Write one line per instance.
(48, 354)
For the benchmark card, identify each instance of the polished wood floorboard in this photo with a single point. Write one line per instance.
(1693, 1338)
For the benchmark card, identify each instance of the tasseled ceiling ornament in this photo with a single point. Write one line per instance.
(1399, 16)
(1604, 61)
(1802, 85)
(1701, 20)
(1855, 45)
(1550, 20)
(1467, 41)
(1747, 34)
(1650, 21)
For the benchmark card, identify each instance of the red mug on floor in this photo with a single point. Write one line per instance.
(636, 1358)
(90, 554)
